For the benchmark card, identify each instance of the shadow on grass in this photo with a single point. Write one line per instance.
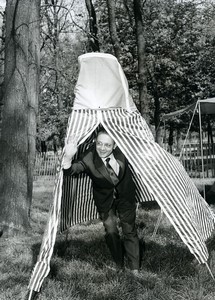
(77, 249)
(82, 250)
(177, 261)
(155, 257)
(35, 252)
(158, 260)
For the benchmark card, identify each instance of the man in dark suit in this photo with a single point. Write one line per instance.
(113, 193)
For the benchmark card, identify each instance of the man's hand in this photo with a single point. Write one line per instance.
(70, 149)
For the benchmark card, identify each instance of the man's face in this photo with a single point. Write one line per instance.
(104, 145)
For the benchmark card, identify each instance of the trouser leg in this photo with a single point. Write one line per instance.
(112, 237)
(131, 241)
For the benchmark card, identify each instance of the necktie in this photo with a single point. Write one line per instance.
(111, 172)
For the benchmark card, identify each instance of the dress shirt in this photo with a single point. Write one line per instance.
(113, 163)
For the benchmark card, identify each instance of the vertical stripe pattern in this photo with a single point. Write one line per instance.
(157, 174)
(165, 178)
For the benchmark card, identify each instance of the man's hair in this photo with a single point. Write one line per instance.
(102, 130)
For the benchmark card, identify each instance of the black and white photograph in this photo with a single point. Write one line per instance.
(107, 150)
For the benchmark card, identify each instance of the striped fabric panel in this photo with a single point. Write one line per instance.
(82, 208)
(77, 201)
(77, 205)
(157, 175)
(142, 194)
(81, 125)
(166, 179)
(42, 266)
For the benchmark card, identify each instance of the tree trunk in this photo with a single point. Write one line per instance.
(94, 43)
(157, 110)
(171, 137)
(34, 68)
(17, 139)
(2, 46)
(112, 27)
(142, 74)
(157, 119)
(210, 132)
(56, 53)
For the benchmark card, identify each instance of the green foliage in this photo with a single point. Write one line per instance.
(175, 54)
(179, 51)
(61, 44)
(57, 92)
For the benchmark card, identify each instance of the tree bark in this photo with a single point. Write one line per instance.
(157, 106)
(142, 74)
(112, 28)
(56, 52)
(18, 127)
(157, 119)
(94, 43)
(2, 45)
(34, 70)
(210, 132)
(171, 137)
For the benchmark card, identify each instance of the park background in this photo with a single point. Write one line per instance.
(166, 49)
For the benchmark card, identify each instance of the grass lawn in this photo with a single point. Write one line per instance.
(81, 264)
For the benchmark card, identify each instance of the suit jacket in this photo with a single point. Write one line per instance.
(103, 187)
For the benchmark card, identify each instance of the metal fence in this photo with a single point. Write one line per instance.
(46, 165)
(193, 160)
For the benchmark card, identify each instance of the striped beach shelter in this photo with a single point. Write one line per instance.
(102, 99)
